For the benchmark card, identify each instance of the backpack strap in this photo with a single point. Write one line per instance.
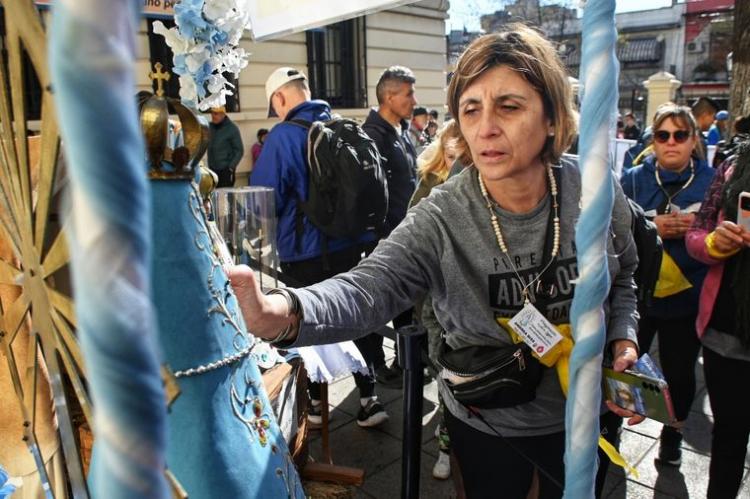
(303, 123)
(299, 226)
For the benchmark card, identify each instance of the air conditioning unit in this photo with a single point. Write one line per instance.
(695, 47)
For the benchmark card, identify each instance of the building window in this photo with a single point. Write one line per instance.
(159, 51)
(336, 64)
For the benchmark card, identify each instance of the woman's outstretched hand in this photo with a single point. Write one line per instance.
(625, 355)
(266, 316)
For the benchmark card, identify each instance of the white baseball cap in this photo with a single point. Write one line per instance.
(279, 78)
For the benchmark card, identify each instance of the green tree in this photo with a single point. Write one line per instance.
(739, 99)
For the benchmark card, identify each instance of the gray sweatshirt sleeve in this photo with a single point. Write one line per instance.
(623, 315)
(400, 270)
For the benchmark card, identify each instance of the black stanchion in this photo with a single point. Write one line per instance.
(410, 359)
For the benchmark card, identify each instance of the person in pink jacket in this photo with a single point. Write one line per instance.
(723, 322)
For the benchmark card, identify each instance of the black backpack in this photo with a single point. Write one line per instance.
(347, 186)
(650, 248)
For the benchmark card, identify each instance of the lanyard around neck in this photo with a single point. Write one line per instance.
(542, 282)
(670, 197)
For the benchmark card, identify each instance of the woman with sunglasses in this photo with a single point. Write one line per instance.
(669, 185)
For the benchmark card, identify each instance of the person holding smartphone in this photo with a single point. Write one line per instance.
(669, 185)
(720, 238)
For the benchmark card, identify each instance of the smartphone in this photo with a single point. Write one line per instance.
(640, 393)
(743, 210)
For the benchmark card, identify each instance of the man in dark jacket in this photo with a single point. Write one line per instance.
(388, 126)
(283, 167)
(225, 147)
(631, 130)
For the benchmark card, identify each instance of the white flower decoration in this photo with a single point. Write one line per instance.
(215, 29)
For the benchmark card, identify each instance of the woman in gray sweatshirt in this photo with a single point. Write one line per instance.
(478, 245)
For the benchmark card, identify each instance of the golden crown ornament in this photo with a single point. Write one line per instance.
(166, 163)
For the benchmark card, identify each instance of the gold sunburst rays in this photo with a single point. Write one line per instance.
(36, 316)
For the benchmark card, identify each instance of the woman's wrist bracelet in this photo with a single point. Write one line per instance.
(294, 309)
(715, 252)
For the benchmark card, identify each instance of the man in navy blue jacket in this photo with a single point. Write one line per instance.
(283, 167)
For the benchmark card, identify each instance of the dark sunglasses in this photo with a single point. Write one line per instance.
(680, 136)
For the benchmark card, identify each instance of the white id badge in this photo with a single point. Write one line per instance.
(535, 329)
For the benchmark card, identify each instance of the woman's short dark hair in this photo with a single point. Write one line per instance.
(262, 132)
(526, 51)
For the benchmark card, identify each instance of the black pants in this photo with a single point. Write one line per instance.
(493, 467)
(226, 178)
(315, 270)
(678, 351)
(726, 383)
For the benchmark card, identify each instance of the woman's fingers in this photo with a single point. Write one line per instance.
(245, 286)
(266, 316)
(728, 236)
(625, 354)
(637, 419)
(744, 234)
(671, 226)
(632, 417)
(732, 228)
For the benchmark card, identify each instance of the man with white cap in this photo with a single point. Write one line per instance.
(283, 167)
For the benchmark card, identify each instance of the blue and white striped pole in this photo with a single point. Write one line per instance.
(92, 47)
(599, 74)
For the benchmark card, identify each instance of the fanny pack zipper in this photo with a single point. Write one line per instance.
(517, 357)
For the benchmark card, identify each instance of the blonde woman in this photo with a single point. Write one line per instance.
(435, 164)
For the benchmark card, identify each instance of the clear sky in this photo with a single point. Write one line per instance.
(467, 12)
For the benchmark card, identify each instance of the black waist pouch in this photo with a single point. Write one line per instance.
(489, 377)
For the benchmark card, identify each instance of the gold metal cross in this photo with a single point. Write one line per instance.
(160, 77)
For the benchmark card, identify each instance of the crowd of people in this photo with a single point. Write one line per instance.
(480, 225)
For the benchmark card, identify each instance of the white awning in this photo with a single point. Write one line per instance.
(275, 18)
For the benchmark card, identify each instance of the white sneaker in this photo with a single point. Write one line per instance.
(442, 468)
(372, 414)
(315, 416)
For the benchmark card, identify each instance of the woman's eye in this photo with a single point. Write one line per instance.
(508, 107)
(469, 111)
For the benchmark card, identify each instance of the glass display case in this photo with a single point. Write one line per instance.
(246, 218)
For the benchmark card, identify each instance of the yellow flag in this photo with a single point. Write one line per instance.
(559, 358)
(671, 279)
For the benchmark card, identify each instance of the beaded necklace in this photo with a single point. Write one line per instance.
(499, 235)
(668, 209)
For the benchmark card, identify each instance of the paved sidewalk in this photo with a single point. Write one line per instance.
(378, 450)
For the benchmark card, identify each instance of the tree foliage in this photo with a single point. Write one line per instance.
(739, 100)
